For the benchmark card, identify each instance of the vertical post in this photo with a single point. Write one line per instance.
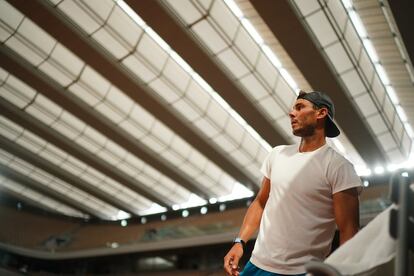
(401, 261)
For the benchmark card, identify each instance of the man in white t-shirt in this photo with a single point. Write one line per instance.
(306, 190)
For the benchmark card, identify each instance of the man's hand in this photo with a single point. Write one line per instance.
(231, 260)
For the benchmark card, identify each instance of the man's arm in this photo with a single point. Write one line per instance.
(346, 211)
(250, 225)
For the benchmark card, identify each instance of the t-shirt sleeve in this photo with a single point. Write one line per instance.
(344, 177)
(266, 168)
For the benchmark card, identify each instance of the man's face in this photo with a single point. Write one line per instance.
(303, 118)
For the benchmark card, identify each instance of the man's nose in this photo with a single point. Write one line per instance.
(291, 114)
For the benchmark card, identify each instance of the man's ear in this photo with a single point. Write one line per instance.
(322, 113)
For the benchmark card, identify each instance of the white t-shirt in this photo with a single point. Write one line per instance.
(298, 222)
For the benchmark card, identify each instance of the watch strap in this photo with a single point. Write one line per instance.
(239, 240)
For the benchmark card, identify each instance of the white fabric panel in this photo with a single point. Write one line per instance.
(247, 46)
(365, 104)
(137, 67)
(221, 13)
(152, 52)
(188, 12)
(377, 124)
(78, 15)
(257, 91)
(231, 60)
(338, 57)
(325, 34)
(353, 82)
(209, 36)
(307, 6)
(352, 39)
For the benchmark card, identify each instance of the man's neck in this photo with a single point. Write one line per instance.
(312, 143)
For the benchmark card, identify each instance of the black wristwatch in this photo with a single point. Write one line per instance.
(242, 242)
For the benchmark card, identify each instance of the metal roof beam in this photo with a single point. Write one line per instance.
(45, 190)
(45, 132)
(56, 24)
(20, 68)
(27, 200)
(58, 172)
(172, 31)
(295, 39)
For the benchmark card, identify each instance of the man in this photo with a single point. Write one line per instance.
(306, 190)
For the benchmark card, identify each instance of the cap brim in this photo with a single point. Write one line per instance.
(331, 129)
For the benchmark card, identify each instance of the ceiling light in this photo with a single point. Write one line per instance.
(124, 223)
(222, 207)
(143, 220)
(185, 213)
(163, 217)
(203, 210)
(379, 170)
(366, 183)
(212, 200)
(114, 245)
(404, 174)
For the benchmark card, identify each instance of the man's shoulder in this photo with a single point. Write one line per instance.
(283, 148)
(335, 157)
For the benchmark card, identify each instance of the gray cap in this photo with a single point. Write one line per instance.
(320, 99)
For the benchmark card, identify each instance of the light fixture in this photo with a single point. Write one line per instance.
(196, 77)
(212, 200)
(163, 217)
(222, 207)
(404, 174)
(203, 210)
(366, 183)
(185, 213)
(143, 220)
(379, 170)
(124, 223)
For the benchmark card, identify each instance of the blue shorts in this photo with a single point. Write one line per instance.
(252, 270)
